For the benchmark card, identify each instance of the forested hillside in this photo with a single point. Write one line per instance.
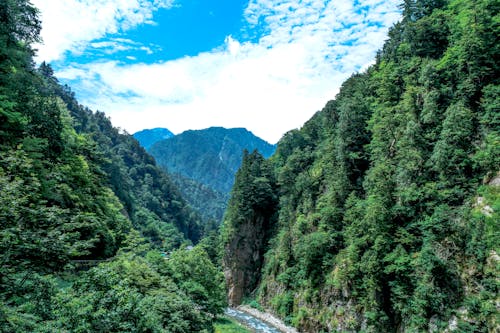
(203, 164)
(381, 214)
(208, 202)
(387, 209)
(72, 187)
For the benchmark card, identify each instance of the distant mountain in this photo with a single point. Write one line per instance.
(211, 158)
(148, 137)
(210, 203)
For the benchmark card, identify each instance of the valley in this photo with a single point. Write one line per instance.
(379, 214)
(203, 164)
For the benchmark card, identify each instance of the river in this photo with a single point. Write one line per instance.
(255, 324)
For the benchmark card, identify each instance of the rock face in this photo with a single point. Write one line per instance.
(495, 181)
(248, 226)
(244, 258)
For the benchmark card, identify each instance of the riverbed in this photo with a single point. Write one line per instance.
(259, 322)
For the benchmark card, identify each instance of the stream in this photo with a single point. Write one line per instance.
(255, 324)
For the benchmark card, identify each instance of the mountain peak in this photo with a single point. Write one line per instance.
(211, 156)
(148, 137)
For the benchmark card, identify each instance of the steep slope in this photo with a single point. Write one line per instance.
(148, 137)
(151, 201)
(80, 167)
(210, 156)
(203, 164)
(249, 220)
(72, 187)
(388, 206)
(209, 203)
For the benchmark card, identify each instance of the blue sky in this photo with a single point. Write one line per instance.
(267, 65)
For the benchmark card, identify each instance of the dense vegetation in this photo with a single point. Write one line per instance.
(203, 164)
(72, 187)
(379, 215)
(209, 203)
(389, 197)
(226, 325)
(248, 227)
(148, 137)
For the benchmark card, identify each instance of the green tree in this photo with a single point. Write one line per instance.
(197, 276)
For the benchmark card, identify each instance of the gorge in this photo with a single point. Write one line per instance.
(380, 214)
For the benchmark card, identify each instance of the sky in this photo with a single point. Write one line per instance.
(266, 65)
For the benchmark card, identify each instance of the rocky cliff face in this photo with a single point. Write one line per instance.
(248, 226)
(243, 259)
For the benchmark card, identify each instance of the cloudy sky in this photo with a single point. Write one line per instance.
(267, 65)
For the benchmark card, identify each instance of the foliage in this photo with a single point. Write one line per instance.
(135, 293)
(74, 188)
(195, 274)
(204, 164)
(210, 203)
(380, 214)
(248, 224)
(380, 226)
(226, 325)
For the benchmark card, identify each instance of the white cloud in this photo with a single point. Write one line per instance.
(115, 45)
(271, 86)
(70, 25)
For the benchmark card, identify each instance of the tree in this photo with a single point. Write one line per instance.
(197, 276)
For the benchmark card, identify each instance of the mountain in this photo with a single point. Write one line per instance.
(148, 137)
(209, 203)
(381, 214)
(204, 163)
(86, 216)
(210, 156)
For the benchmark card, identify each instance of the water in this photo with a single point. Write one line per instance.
(250, 321)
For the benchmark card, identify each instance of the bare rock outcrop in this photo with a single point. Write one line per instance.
(244, 258)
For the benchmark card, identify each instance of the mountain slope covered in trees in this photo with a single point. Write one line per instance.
(210, 156)
(74, 188)
(203, 163)
(388, 199)
(208, 202)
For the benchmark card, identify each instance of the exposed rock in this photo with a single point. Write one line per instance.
(453, 323)
(495, 181)
(244, 258)
(485, 209)
(493, 258)
(433, 327)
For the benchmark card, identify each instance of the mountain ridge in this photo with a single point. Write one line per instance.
(209, 157)
(148, 137)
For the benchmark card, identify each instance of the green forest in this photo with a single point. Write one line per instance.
(203, 163)
(75, 191)
(379, 215)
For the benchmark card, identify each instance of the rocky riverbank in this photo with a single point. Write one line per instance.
(268, 318)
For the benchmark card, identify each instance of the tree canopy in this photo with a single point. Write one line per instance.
(382, 225)
(73, 188)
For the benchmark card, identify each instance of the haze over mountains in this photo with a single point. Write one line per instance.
(202, 163)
